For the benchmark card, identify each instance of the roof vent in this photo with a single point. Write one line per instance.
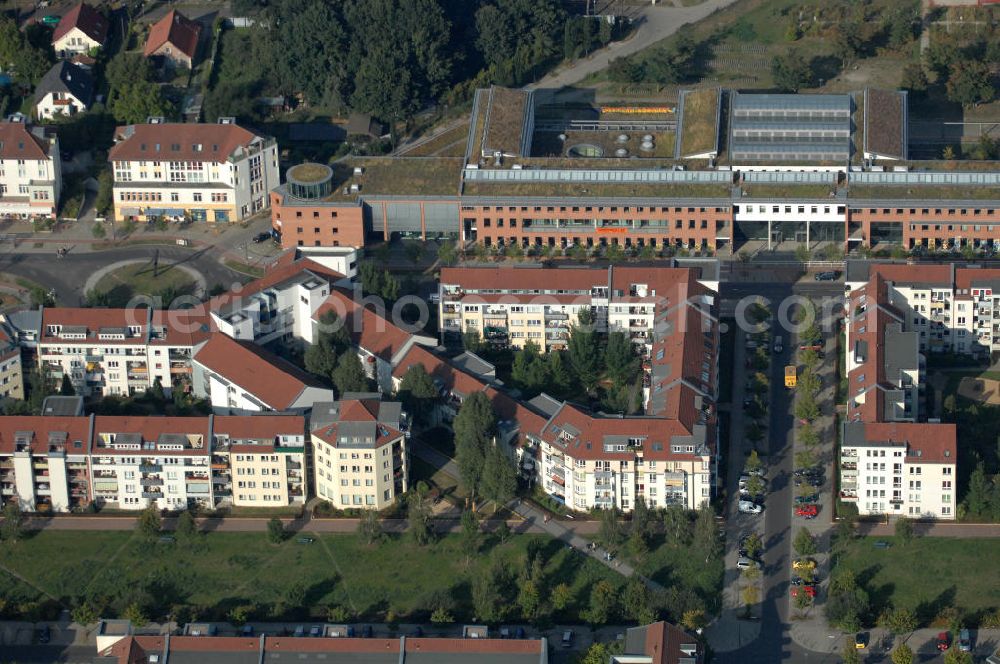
(227, 120)
(947, 453)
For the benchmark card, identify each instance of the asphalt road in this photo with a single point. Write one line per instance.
(47, 654)
(67, 275)
(774, 643)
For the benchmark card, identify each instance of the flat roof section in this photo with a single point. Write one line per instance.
(770, 127)
(698, 130)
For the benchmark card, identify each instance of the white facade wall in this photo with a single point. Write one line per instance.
(891, 480)
(74, 42)
(30, 186)
(135, 481)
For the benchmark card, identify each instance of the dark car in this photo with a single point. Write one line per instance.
(247, 630)
(261, 237)
(366, 631)
(964, 641)
(44, 634)
(826, 276)
(315, 631)
(803, 500)
(519, 633)
(815, 481)
(418, 631)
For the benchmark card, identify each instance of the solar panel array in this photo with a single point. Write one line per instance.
(597, 175)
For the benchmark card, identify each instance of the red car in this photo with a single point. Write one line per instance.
(809, 589)
(943, 641)
(808, 511)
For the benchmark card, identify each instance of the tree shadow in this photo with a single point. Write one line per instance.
(927, 611)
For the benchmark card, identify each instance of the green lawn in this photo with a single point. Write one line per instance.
(927, 574)
(229, 569)
(126, 282)
(674, 567)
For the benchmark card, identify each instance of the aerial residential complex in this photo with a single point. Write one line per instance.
(667, 455)
(800, 168)
(893, 459)
(203, 172)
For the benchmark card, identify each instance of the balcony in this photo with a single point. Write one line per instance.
(150, 468)
(151, 481)
(848, 465)
(154, 495)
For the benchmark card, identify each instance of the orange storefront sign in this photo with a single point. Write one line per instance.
(612, 230)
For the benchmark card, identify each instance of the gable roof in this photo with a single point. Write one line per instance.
(68, 78)
(177, 30)
(17, 142)
(276, 382)
(86, 19)
(175, 141)
(368, 329)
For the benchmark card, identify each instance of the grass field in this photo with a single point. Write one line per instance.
(138, 279)
(927, 574)
(224, 570)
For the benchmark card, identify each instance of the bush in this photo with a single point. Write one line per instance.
(97, 230)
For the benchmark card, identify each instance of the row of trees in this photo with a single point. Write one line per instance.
(333, 358)
(668, 64)
(486, 470)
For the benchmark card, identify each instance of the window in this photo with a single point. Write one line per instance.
(196, 196)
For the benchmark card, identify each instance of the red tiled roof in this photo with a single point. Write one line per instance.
(474, 646)
(259, 427)
(172, 141)
(369, 330)
(275, 381)
(492, 278)
(151, 428)
(936, 443)
(85, 18)
(16, 142)
(77, 429)
(965, 277)
(664, 641)
(286, 267)
(94, 320)
(358, 410)
(180, 31)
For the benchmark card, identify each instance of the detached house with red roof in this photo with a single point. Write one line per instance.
(81, 30)
(174, 40)
(203, 172)
(30, 171)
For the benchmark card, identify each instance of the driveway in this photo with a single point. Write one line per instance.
(655, 22)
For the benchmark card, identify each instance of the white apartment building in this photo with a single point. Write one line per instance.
(44, 463)
(240, 378)
(57, 463)
(118, 351)
(901, 469)
(259, 461)
(952, 308)
(141, 461)
(30, 171)
(590, 462)
(203, 172)
(359, 452)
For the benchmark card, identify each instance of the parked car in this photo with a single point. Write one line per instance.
(519, 633)
(804, 500)
(964, 641)
(247, 630)
(796, 581)
(299, 632)
(51, 20)
(807, 511)
(44, 634)
(366, 631)
(826, 276)
(743, 562)
(758, 472)
(779, 344)
(861, 640)
(882, 544)
(747, 507)
(808, 588)
(567, 638)
(804, 563)
(305, 540)
(315, 631)
(815, 481)
(943, 641)
(261, 237)
(418, 632)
